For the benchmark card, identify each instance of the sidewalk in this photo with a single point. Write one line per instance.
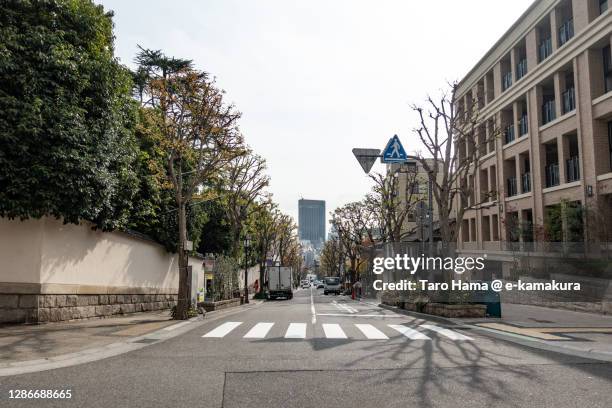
(581, 334)
(32, 342)
(31, 348)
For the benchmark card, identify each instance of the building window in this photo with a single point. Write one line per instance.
(509, 133)
(548, 110)
(569, 100)
(610, 142)
(603, 6)
(607, 66)
(507, 80)
(545, 49)
(523, 129)
(521, 69)
(512, 191)
(566, 32)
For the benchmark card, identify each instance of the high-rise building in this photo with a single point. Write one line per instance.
(547, 84)
(311, 221)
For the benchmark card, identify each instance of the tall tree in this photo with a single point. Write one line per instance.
(243, 182)
(353, 223)
(453, 135)
(200, 137)
(66, 115)
(332, 257)
(264, 230)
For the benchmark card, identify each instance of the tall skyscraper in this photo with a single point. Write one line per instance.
(311, 221)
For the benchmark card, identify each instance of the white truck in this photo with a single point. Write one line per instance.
(280, 282)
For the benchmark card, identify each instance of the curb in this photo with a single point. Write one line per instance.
(118, 348)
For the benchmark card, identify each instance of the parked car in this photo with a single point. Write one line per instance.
(320, 285)
(332, 285)
(305, 284)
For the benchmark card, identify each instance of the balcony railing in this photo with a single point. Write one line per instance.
(569, 100)
(509, 134)
(525, 182)
(572, 168)
(566, 32)
(552, 175)
(521, 69)
(548, 111)
(523, 125)
(506, 80)
(545, 48)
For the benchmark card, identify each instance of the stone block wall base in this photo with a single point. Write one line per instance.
(222, 304)
(452, 311)
(33, 308)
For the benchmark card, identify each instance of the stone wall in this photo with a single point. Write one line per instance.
(29, 308)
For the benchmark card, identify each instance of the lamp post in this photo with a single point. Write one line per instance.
(247, 244)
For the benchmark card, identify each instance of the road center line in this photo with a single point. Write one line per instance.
(312, 308)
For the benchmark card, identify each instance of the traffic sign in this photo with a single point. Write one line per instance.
(394, 152)
(366, 157)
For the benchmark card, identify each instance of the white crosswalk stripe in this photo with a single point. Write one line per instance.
(333, 331)
(446, 332)
(223, 330)
(262, 330)
(296, 331)
(259, 331)
(371, 332)
(408, 332)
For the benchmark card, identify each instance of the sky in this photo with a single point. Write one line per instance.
(314, 79)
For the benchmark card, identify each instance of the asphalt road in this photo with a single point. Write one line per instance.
(325, 351)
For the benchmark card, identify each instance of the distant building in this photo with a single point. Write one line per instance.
(311, 221)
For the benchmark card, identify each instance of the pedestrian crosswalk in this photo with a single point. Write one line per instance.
(264, 330)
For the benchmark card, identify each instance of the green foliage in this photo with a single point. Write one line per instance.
(67, 115)
(216, 235)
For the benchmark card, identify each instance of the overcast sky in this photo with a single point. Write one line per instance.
(315, 78)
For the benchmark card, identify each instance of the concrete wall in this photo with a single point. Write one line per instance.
(48, 270)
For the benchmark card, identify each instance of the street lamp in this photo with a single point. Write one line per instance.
(247, 244)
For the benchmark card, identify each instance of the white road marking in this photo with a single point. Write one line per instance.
(333, 331)
(176, 326)
(222, 330)
(296, 331)
(259, 331)
(312, 308)
(362, 315)
(408, 332)
(446, 332)
(371, 332)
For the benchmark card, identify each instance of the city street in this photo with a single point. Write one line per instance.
(318, 351)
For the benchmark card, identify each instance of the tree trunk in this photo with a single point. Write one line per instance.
(183, 260)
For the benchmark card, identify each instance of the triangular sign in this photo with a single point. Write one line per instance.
(366, 157)
(394, 152)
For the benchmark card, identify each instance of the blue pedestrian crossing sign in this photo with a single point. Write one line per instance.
(394, 152)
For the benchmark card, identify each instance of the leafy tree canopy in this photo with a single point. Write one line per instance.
(66, 140)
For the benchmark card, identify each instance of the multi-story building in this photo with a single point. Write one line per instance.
(544, 97)
(311, 221)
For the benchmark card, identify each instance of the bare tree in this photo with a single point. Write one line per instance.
(391, 204)
(454, 137)
(332, 257)
(354, 224)
(244, 181)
